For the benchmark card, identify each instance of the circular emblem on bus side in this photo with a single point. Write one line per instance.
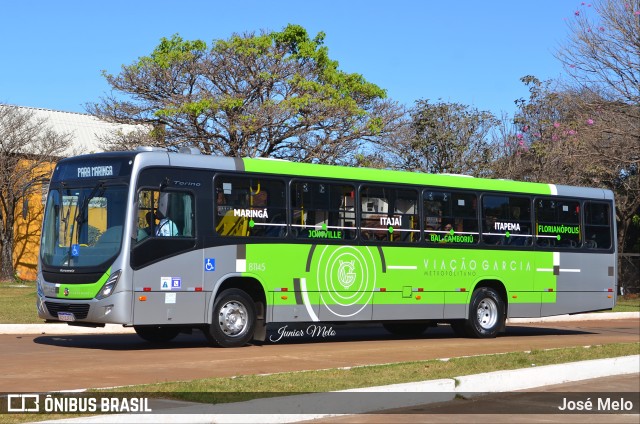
(345, 279)
(346, 273)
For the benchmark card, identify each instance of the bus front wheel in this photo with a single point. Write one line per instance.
(486, 314)
(234, 319)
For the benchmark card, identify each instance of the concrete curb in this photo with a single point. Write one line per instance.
(578, 317)
(55, 328)
(528, 378)
(292, 408)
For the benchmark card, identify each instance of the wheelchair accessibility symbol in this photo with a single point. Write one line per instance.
(75, 250)
(210, 264)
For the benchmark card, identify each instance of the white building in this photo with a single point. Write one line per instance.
(85, 129)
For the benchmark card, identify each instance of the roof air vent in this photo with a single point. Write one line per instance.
(189, 150)
(150, 149)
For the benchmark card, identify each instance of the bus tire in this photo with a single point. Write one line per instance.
(157, 333)
(486, 314)
(405, 329)
(234, 319)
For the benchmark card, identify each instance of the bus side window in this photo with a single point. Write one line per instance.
(450, 217)
(557, 223)
(389, 214)
(166, 213)
(322, 210)
(249, 206)
(506, 220)
(405, 206)
(597, 225)
(464, 213)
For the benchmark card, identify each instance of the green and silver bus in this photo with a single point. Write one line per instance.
(169, 242)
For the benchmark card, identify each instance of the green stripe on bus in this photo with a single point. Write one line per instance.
(301, 170)
(83, 291)
(346, 275)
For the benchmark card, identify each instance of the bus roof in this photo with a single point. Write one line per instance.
(389, 176)
(284, 167)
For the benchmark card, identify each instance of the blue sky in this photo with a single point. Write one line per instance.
(471, 52)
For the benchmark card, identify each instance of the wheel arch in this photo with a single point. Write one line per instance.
(254, 288)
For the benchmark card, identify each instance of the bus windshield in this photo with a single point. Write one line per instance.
(83, 224)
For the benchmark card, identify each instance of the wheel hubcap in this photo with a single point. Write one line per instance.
(487, 314)
(233, 318)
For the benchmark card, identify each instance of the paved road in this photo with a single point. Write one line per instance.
(527, 404)
(38, 363)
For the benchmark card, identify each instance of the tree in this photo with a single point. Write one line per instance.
(602, 56)
(560, 137)
(529, 150)
(118, 139)
(28, 148)
(274, 94)
(611, 154)
(603, 51)
(440, 137)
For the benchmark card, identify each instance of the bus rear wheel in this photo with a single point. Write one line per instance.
(486, 314)
(157, 333)
(234, 319)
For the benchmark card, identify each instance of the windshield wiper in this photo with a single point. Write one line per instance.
(65, 218)
(80, 217)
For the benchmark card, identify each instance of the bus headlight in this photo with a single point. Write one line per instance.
(109, 286)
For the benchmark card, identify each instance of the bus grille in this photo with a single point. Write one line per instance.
(80, 310)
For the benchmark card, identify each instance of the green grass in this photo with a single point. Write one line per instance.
(219, 390)
(627, 304)
(18, 303)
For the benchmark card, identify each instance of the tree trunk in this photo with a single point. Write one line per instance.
(7, 270)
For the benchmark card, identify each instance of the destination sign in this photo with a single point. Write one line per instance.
(80, 170)
(95, 171)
